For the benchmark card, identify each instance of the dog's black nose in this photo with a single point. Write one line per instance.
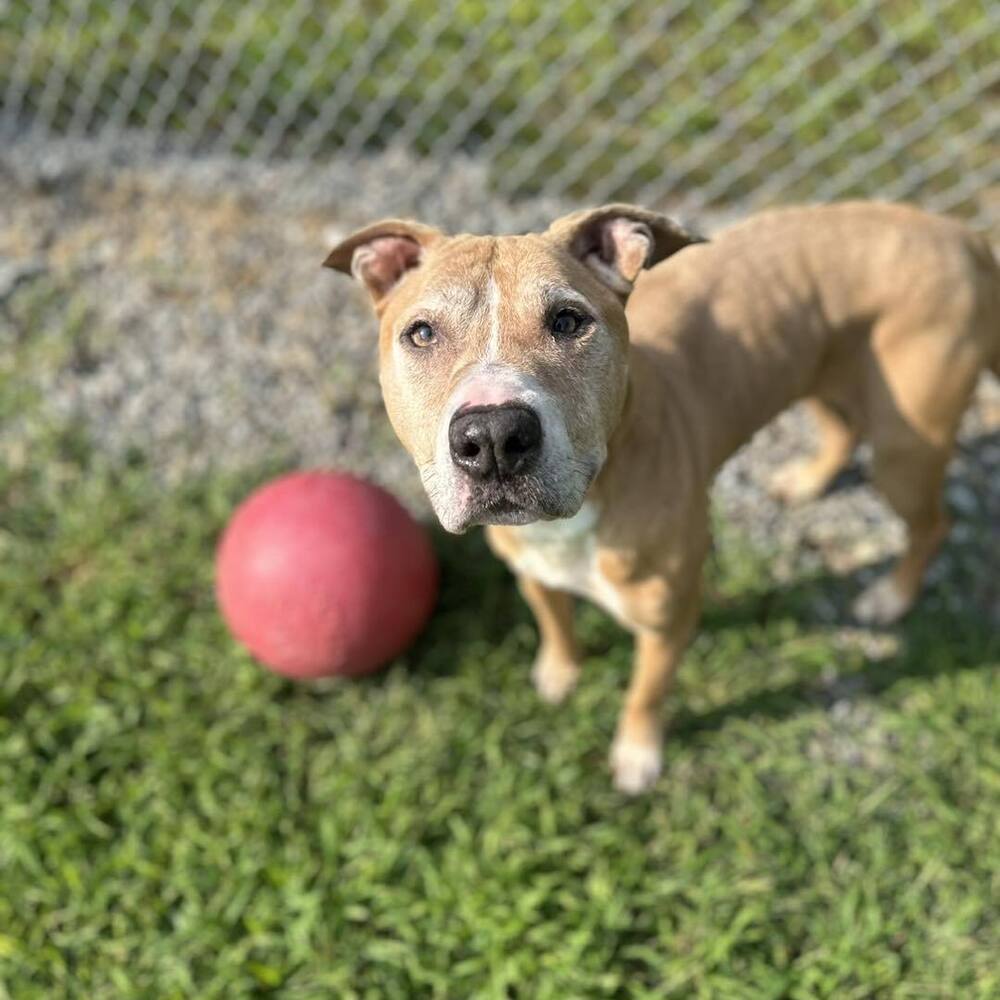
(490, 442)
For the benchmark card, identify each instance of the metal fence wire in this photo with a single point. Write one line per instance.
(722, 101)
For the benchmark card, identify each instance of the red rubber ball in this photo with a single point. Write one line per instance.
(321, 573)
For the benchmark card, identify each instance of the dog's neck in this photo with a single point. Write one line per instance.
(648, 467)
(671, 433)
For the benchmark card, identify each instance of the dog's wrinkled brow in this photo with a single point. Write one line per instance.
(563, 295)
(462, 298)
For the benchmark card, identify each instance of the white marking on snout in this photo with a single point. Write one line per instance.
(490, 385)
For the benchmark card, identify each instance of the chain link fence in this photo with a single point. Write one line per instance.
(666, 102)
(172, 173)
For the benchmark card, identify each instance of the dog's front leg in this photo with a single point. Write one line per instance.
(557, 665)
(636, 754)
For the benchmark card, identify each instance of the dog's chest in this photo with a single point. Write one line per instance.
(562, 555)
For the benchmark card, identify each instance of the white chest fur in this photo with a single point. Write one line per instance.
(563, 555)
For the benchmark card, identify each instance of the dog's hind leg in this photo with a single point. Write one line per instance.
(911, 479)
(914, 408)
(808, 478)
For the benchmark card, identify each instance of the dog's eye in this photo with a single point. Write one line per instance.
(421, 335)
(567, 323)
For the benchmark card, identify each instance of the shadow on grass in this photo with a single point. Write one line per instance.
(479, 608)
(932, 642)
(480, 604)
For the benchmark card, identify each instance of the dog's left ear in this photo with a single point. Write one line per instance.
(617, 241)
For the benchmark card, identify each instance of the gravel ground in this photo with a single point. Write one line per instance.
(178, 307)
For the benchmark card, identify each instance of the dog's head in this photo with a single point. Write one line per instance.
(503, 360)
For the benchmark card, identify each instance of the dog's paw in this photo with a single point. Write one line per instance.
(554, 678)
(635, 766)
(795, 483)
(881, 602)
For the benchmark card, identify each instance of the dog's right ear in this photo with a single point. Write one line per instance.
(380, 255)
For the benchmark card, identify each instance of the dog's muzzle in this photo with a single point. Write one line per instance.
(497, 450)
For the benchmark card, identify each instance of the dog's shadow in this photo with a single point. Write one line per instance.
(933, 640)
(479, 604)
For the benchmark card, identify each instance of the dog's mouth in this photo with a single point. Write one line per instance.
(535, 495)
(524, 500)
(518, 501)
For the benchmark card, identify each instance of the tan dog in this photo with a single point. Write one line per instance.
(587, 436)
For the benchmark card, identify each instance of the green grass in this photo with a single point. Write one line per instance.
(176, 822)
(810, 82)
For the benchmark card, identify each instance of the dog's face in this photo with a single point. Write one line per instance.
(503, 360)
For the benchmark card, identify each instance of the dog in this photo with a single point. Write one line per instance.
(576, 391)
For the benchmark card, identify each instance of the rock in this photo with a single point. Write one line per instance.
(14, 273)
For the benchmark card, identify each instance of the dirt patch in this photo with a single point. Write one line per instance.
(178, 307)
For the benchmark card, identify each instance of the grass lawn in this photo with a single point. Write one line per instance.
(176, 822)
